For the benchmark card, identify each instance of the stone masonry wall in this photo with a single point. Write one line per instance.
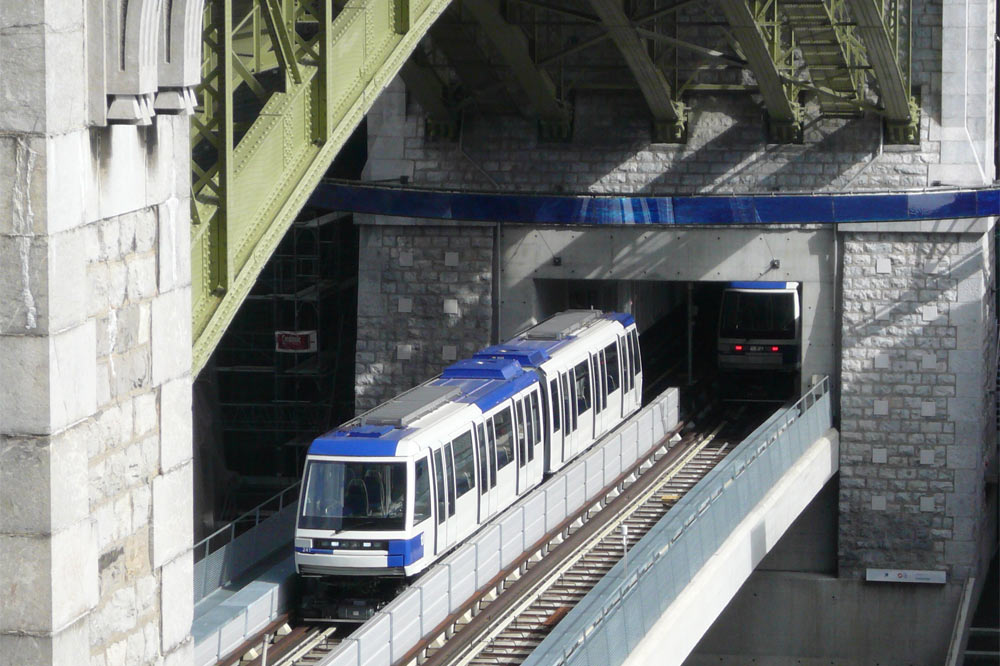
(424, 300)
(919, 340)
(95, 358)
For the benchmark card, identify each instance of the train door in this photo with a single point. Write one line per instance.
(554, 443)
(506, 466)
(487, 447)
(533, 408)
(443, 510)
(584, 406)
(521, 429)
(613, 391)
(600, 399)
(629, 394)
(464, 465)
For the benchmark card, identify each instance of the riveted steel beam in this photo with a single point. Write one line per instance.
(249, 186)
(426, 87)
(510, 41)
(756, 28)
(899, 108)
(668, 113)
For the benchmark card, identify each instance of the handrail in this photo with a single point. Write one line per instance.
(231, 527)
(747, 473)
(233, 549)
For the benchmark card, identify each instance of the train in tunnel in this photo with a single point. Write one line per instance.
(760, 339)
(388, 493)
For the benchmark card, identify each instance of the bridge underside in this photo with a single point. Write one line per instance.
(285, 82)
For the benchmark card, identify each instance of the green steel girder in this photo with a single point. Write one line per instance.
(429, 91)
(877, 26)
(669, 115)
(512, 45)
(756, 27)
(248, 188)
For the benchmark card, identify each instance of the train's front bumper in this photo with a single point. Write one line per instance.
(356, 557)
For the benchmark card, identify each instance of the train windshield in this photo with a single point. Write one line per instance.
(354, 496)
(767, 315)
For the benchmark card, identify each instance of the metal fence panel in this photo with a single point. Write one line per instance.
(487, 555)
(511, 536)
(576, 494)
(434, 597)
(555, 503)
(534, 519)
(373, 641)
(462, 572)
(406, 630)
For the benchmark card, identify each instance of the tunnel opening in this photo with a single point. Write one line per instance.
(683, 328)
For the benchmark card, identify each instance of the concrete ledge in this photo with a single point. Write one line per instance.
(226, 618)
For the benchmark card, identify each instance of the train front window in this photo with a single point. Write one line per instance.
(354, 496)
(758, 315)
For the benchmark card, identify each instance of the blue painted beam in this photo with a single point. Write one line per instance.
(677, 210)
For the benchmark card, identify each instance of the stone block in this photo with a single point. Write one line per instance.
(48, 581)
(182, 655)
(49, 382)
(171, 335)
(405, 305)
(175, 423)
(141, 283)
(879, 455)
(162, 163)
(174, 243)
(23, 86)
(70, 199)
(172, 514)
(59, 649)
(927, 504)
(121, 178)
(176, 601)
(67, 292)
(24, 285)
(878, 503)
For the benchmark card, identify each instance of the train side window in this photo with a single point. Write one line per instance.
(449, 455)
(529, 431)
(567, 401)
(522, 427)
(492, 455)
(536, 422)
(442, 506)
(554, 401)
(465, 466)
(581, 388)
(595, 367)
(421, 491)
(627, 351)
(502, 424)
(611, 354)
(484, 474)
(626, 375)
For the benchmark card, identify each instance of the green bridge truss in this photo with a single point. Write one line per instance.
(285, 82)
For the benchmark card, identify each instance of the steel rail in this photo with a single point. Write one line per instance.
(589, 527)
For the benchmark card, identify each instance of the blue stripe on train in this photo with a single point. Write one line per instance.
(406, 551)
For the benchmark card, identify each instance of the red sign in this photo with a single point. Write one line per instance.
(295, 341)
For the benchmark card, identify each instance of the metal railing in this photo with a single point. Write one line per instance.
(232, 550)
(677, 547)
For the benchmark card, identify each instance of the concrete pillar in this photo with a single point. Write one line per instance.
(95, 344)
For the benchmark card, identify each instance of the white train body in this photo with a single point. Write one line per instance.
(390, 492)
(760, 327)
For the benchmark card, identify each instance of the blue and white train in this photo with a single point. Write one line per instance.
(387, 494)
(760, 327)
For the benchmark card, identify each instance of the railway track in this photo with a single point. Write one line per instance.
(511, 617)
(507, 623)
